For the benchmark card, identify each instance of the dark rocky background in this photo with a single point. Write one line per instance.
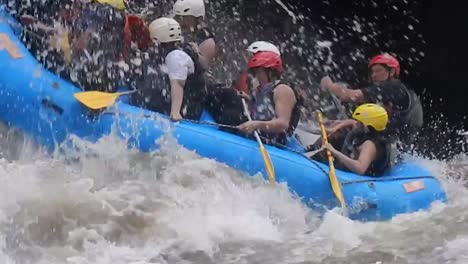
(429, 38)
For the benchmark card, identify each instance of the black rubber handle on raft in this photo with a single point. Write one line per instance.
(47, 103)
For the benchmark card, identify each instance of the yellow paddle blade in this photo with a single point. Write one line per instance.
(96, 99)
(268, 164)
(335, 184)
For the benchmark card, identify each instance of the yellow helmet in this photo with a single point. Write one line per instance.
(117, 4)
(372, 115)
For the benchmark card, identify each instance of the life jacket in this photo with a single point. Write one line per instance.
(262, 108)
(199, 35)
(135, 31)
(412, 118)
(386, 150)
(405, 120)
(154, 88)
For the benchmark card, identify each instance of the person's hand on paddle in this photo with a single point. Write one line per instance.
(248, 127)
(176, 117)
(244, 95)
(329, 147)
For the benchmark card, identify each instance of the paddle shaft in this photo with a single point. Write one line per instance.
(325, 140)
(336, 187)
(266, 158)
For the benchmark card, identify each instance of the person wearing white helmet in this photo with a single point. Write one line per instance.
(263, 46)
(190, 13)
(179, 87)
(244, 82)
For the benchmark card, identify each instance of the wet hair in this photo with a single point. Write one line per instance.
(273, 73)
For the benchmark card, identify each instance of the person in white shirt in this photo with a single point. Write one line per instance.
(181, 89)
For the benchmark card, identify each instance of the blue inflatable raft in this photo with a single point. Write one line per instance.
(43, 106)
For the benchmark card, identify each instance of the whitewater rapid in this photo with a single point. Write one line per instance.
(103, 203)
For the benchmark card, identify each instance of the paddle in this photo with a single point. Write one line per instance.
(97, 100)
(266, 158)
(335, 184)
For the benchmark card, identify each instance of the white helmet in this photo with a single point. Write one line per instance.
(165, 30)
(194, 8)
(263, 46)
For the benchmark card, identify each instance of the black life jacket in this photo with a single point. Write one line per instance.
(154, 88)
(406, 120)
(412, 118)
(262, 107)
(386, 150)
(199, 35)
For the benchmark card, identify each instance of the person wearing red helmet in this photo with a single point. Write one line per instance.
(274, 106)
(384, 67)
(224, 101)
(402, 104)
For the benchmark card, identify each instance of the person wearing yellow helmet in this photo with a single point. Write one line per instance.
(367, 149)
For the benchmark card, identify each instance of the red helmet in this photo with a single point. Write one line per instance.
(266, 59)
(388, 60)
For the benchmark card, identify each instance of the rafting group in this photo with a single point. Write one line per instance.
(105, 44)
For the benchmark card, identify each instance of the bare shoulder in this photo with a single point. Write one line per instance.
(284, 89)
(369, 146)
(285, 93)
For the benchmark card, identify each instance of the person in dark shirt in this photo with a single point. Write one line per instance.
(402, 104)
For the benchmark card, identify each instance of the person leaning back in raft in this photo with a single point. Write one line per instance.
(368, 149)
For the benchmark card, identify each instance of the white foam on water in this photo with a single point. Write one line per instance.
(108, 204)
